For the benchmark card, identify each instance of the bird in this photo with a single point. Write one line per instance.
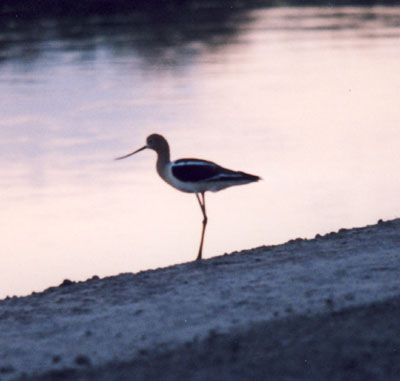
(192, 175)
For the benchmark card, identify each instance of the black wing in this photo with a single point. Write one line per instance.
(195, 170)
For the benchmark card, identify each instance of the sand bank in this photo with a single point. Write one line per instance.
(326, 308)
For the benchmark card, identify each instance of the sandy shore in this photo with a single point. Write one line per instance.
(321, 309)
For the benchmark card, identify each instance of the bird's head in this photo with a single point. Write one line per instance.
(155, 142)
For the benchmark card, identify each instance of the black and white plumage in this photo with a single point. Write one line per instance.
(196, 176)
(193, 175)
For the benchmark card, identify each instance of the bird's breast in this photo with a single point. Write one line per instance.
(167, 175)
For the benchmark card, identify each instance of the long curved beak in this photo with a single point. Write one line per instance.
(132, 153)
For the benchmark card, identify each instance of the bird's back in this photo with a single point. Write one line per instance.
(207, 175)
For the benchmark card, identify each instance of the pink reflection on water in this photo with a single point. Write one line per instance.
(313, 111)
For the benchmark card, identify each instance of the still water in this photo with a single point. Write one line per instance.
(307, 98)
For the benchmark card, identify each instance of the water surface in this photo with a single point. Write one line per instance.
(306, 98)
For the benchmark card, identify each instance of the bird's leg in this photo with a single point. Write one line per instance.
(203, 210)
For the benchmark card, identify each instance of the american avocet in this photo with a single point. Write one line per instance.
(192, 175)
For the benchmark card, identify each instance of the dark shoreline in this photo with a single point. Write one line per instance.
(65, 8)
(152, 30)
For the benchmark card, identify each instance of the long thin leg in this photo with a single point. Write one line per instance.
(203, 209)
